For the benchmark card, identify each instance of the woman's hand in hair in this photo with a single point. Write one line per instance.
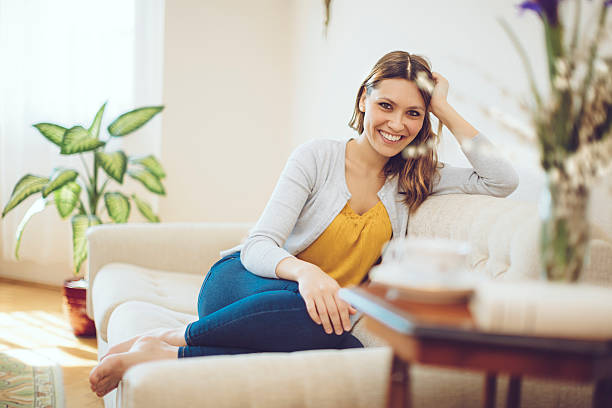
(439, 106)
(320, 293)
(439, 94)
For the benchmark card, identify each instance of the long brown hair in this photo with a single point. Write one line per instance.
(416, 174)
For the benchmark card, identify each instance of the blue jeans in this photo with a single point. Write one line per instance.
(240, 312)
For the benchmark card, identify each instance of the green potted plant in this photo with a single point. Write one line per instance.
(64, 188)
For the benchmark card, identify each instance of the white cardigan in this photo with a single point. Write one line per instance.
(312, 190)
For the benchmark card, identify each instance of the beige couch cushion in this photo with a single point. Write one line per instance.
(504, 235)
(135, 318)
(358, 378)
(499, 231)
(117, 283)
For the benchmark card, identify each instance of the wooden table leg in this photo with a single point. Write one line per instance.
(490, 384)
(399, 384)
(513, 399)
(602, 395)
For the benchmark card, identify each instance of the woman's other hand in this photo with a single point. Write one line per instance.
(439, 94)
(320, 294)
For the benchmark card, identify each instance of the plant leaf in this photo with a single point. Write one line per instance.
(149, 180)
(54, 133)
(114, 164)
(37, 207)
(80, 223)
(66, 198)
(25, 187)
(59, 179)
(118, 206)
(78, 140)
(94, 129)
(150, 163)
(145, 209)
(130, 121)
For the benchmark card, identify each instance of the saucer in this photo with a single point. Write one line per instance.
(437, 295)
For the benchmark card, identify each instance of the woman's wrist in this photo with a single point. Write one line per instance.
(458, 126)
(292, 268)
(442, 110)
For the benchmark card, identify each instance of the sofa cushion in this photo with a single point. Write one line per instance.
(310, 379)
(502, 246)
(117, 283)
(135, 318)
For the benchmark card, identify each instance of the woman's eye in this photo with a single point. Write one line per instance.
(385, 105)
(414, 113)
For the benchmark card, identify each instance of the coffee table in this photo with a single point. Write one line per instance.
(445, 335)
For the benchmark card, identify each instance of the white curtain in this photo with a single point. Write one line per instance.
(61, 60)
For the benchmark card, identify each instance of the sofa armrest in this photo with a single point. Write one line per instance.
(314, 378)
(184, 247)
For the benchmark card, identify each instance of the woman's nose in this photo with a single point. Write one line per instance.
(395, 123)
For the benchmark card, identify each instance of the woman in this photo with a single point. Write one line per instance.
(334, 207)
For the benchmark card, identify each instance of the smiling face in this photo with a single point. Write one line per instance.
(394, 111)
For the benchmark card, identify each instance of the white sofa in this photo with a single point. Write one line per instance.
(146, 276)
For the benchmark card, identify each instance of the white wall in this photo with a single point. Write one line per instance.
(228, 91)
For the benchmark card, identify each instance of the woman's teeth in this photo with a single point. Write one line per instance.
(390, 137)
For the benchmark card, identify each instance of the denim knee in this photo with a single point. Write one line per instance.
(229, 281)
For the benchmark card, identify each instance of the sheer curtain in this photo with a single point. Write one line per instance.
(61, 61)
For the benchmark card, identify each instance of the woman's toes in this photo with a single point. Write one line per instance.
(104, 387)
(107, 374)
(94, 377)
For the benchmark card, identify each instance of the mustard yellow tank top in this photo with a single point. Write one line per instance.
(351, 244)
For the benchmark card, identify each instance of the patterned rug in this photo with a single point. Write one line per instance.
(29, 380)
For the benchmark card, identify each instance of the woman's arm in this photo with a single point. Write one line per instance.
(459, 127)
(264, 255)
(263, 249)
(491, 174)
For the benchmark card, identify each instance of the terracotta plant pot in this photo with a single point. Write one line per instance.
(75, 291)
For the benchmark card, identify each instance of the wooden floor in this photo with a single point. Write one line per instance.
(31, 318)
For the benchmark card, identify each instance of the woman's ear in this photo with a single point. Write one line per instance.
(362, 102)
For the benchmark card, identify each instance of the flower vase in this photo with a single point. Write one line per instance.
(564, 233)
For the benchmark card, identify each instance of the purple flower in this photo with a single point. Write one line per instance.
(530, 5)
(608, 3)
(545, 8)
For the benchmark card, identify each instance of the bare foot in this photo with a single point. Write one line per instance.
(106, 375)
(174, 337)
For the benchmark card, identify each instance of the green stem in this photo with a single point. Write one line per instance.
(87, 185)
(85, 166)
(84, 181)
(523, 55)
(574, 43)
(82, 208)
(101, 193)
(554, 48)
(589, 76)
(104, 186)
(95, 194)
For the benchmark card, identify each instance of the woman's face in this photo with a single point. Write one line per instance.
(394, 112)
